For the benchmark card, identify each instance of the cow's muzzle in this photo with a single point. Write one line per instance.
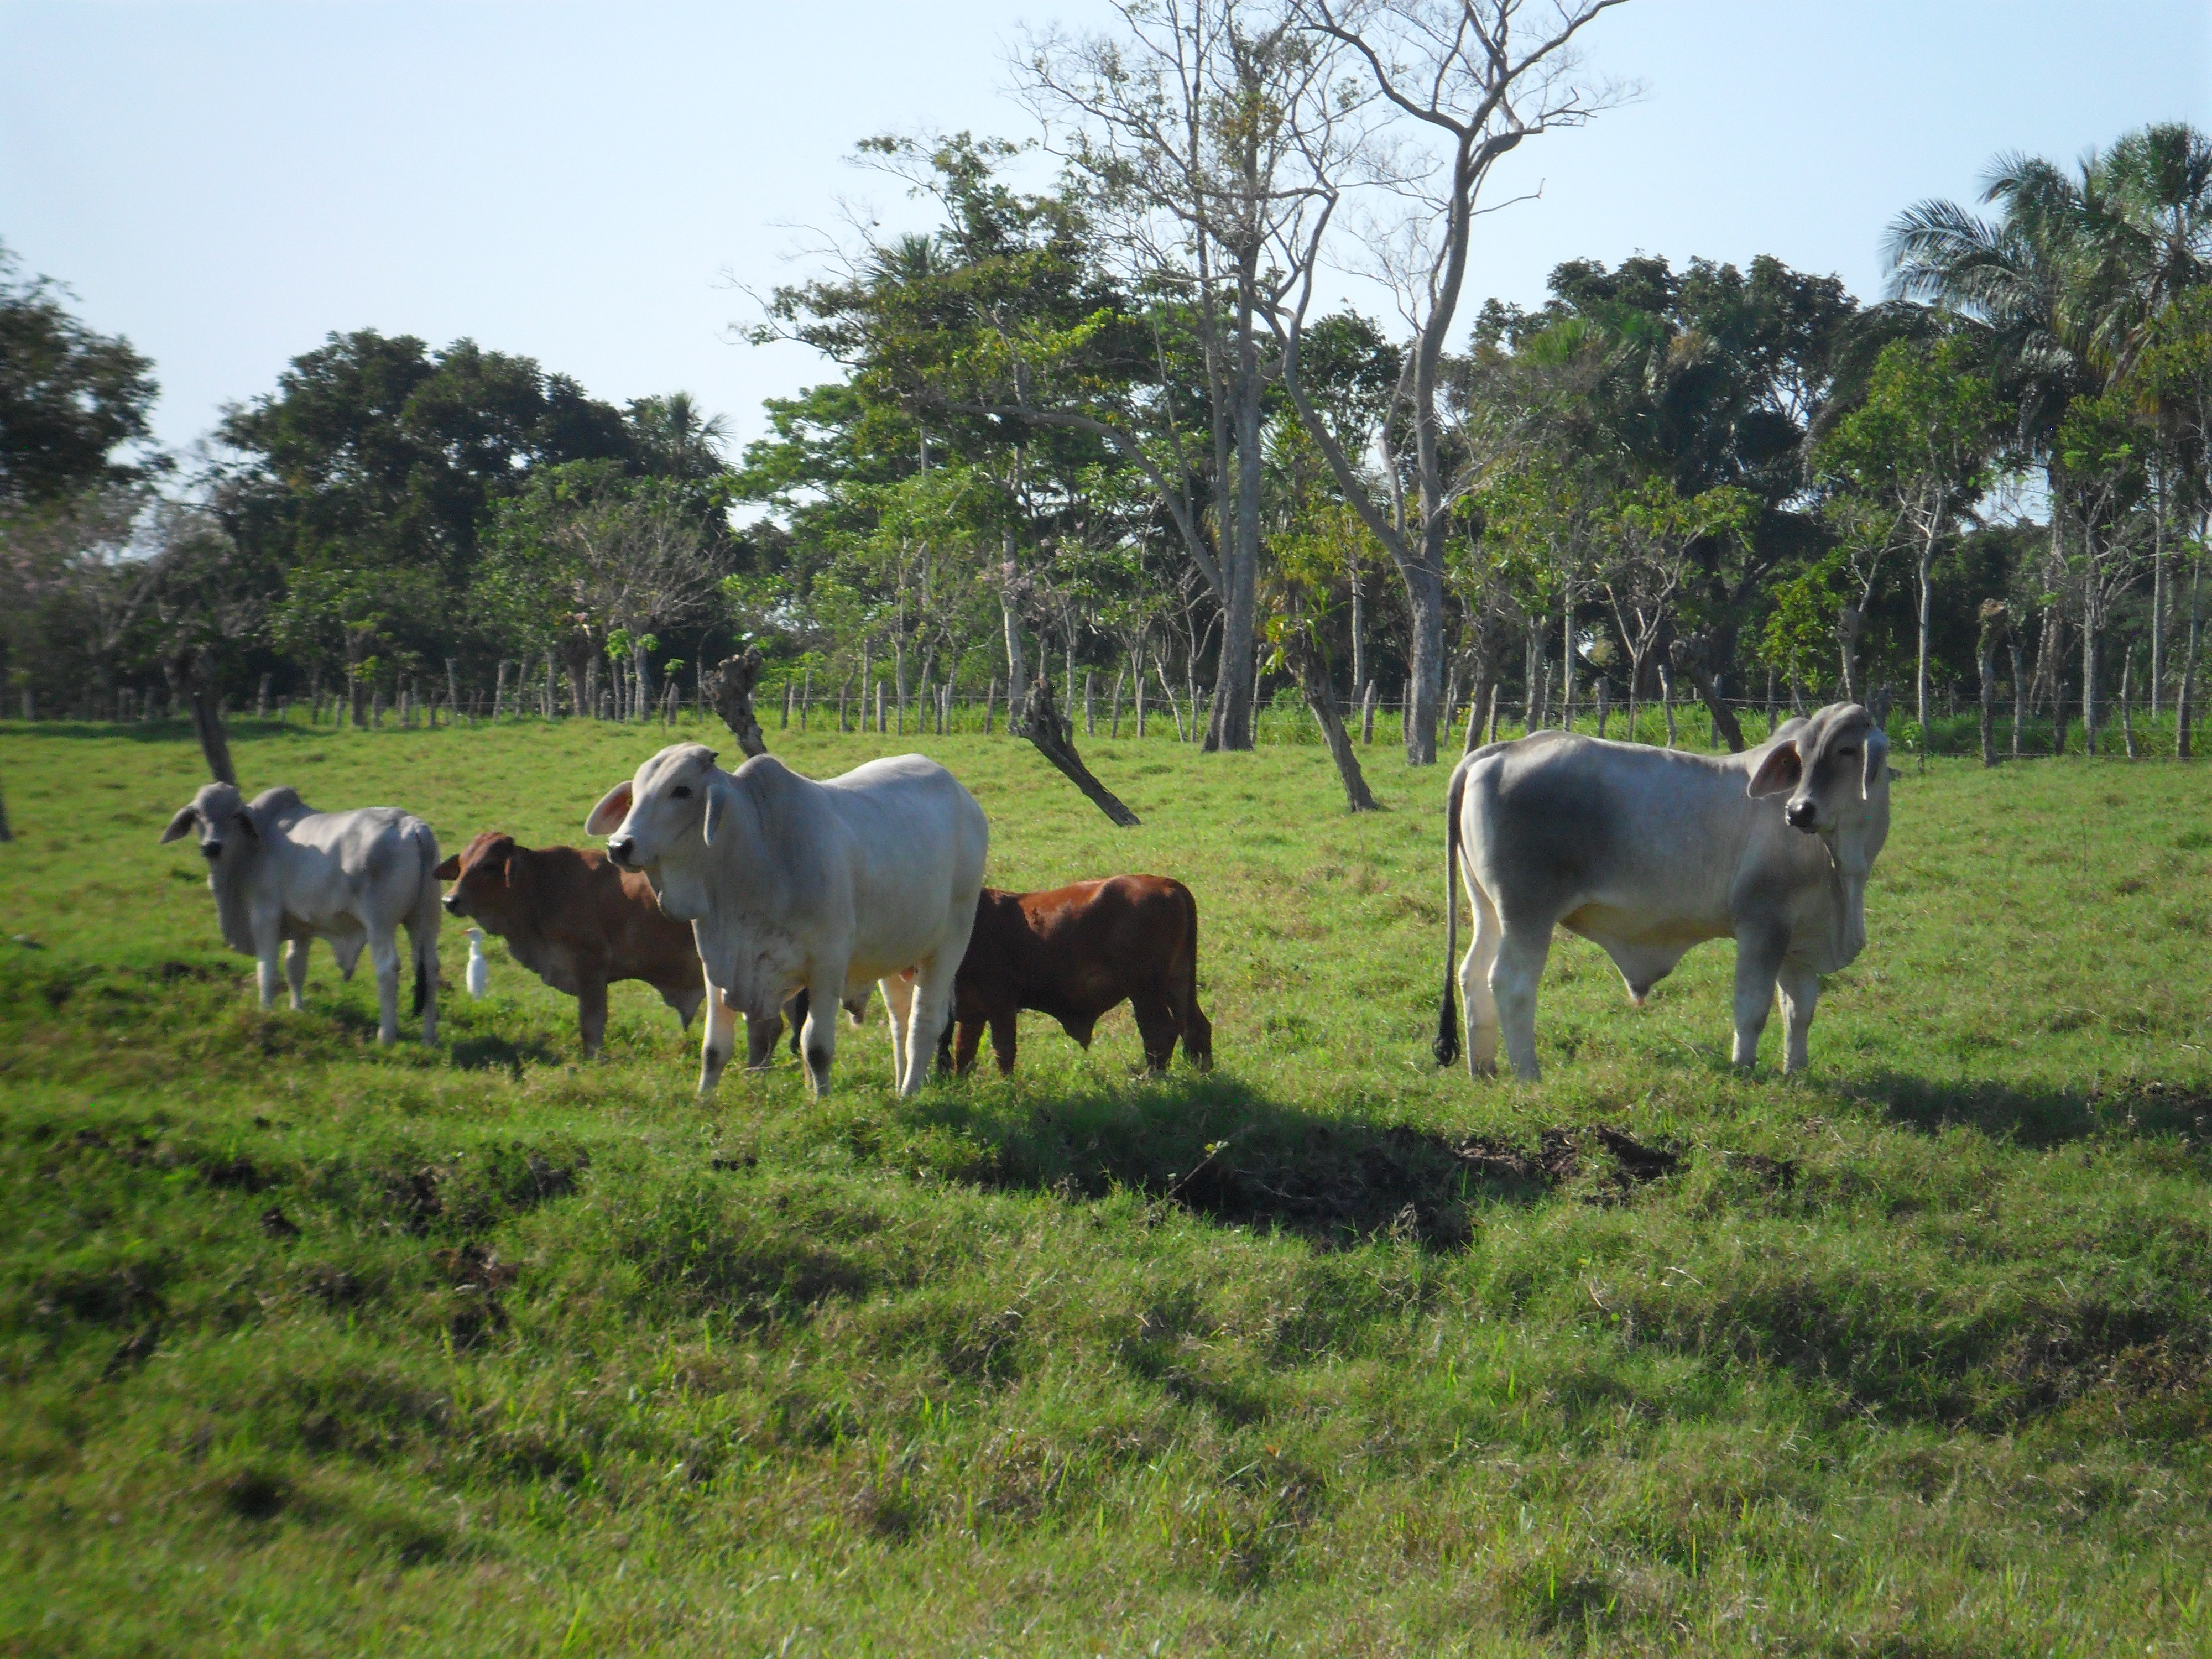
(620, 848)
(452, 903)
(210, 850)
(1803, 814)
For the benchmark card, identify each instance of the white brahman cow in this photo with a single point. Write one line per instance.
(1648, 852)
(792, 884)
(283, 873)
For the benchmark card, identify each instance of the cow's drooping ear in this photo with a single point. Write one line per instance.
(450, 868)
(613, 808)
(181, 825)
(718, 807)
(510, 867)
(1877, 770)
(245, 823)
(1778, 772)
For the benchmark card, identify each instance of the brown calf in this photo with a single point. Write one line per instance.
(577, 922)
(1075, 952)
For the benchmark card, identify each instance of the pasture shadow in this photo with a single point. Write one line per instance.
(1218, 1148)
(487, 1051)
(2039, 1117)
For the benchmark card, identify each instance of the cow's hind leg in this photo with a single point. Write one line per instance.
(927, 1021)
(1758, 960)
(899, 1003)
(1801, 989)
(422, 944)
(1159, 1027)
(296, 971)
(1481, 1002)
(384, 955)
(719, 1039)
(1515, 974)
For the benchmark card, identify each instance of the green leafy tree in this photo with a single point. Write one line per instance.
(70, 398)
(1921, 443)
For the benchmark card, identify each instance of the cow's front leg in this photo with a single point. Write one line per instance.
(719, 1040)
(1758, 959)
(899, 1003)
(591, 1011)
(1514, 976)
(1005, 1032)
(1801, 989)
(817, 1038)
(296, 971)
(384, 954)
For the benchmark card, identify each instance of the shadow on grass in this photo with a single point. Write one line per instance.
(488, 1051)
(1218, 1147)
(2039, 1116)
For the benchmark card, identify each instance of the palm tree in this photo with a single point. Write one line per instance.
(2010, 282)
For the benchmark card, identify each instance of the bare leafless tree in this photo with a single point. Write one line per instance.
(1468, 82)
(1209, 136)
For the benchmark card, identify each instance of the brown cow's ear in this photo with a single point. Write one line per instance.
(450, 868)
(1778, 772)
(180, 825)
(613, 808)
(509, 865)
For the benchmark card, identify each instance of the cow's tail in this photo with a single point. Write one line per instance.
(423, 927)
(1446, 1048)
(1197, 1030)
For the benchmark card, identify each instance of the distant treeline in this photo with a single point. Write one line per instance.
(1059, 440)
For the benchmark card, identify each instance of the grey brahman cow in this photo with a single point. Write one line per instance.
(1648, 852)
(792, 885)
(284, 873)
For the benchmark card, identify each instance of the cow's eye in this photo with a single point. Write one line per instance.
(682, 791)
(1847, 751)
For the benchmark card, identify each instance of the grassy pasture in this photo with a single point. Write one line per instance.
(306, 1347)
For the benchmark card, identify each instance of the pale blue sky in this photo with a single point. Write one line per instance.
(226, 184)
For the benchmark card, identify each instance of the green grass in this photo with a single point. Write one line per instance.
(306, 1347)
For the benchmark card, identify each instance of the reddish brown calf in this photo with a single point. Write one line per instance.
(1075, 952)
(578, 923)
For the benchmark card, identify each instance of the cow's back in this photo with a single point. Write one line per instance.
(369, 862)
(1556, 821)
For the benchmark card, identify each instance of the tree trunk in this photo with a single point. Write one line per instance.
(1693, 657)
(1367, 714)
(190, 675)
(1425, 595)
(2090, 641)
(1359, 639)
(1016, 667)
(2019, 690)
(2127, 700)
(6, 834)
(1054, 734)
(1993, 616)
(1920, 670)
(728, 690)
(1321, 697)
(1228, 721)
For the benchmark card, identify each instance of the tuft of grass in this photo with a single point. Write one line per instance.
(309, 1345)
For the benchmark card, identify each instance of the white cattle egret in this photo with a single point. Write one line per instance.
(479, 969)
